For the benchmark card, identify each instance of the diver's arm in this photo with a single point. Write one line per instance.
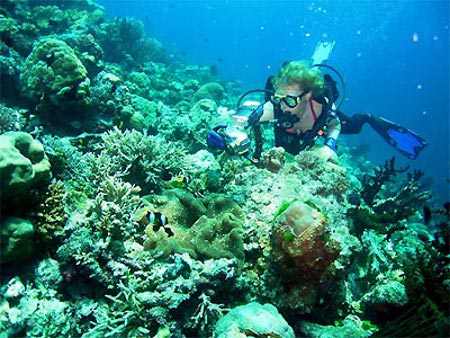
(333, 130)
(267, 112)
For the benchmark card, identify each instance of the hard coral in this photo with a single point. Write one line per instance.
(50, 217)
(11, 119)
(23, 164)
(302, 251)
(53, 77)
(300, 244)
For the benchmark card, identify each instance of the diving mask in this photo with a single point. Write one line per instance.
(288, 100)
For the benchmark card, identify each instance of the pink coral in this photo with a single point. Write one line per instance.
(302, 250)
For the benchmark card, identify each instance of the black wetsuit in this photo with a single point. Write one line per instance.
(353, 124)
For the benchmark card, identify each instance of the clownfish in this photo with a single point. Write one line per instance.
(158, 221)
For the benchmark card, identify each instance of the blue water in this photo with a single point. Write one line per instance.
(394, 56)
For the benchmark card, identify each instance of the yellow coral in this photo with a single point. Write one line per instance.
(50, 216)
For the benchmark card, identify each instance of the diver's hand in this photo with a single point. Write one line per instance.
(215, 140)
(255, 116)
(325, 153)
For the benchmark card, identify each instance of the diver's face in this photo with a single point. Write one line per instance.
(291, 98)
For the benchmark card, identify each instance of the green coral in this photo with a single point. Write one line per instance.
(253, 320)
(49, 216)
(213, 91)
(284, 205)
(220, 237)
(53, 76)
(209, 227)
(17, 239)
(23, 164)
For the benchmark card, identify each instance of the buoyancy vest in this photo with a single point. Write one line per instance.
(295, 142)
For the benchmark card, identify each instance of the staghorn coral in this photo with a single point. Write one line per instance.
(133, 156)
(405, 200)
(388, 202)
(145, 301)
(206, 313)
(373, 183)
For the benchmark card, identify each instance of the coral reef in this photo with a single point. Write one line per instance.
(144, 232)
(11, 119)
(302, 250)
(213, 91)
(397, 201)
(209, 227)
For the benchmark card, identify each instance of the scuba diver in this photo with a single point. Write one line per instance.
(301, 102)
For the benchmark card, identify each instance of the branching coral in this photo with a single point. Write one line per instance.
(373, 183)
(206, 313)
(142, 158)
(388, 202)
(405, 200)
(49, 217)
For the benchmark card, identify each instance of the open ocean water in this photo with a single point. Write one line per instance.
(394, 56)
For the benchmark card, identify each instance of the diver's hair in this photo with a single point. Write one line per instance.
(301, 73)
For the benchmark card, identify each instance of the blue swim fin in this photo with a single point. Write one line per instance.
(405, 141)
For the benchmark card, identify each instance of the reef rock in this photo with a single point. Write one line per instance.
(253, 320)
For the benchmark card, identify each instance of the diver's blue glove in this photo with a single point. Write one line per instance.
(216, 140)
